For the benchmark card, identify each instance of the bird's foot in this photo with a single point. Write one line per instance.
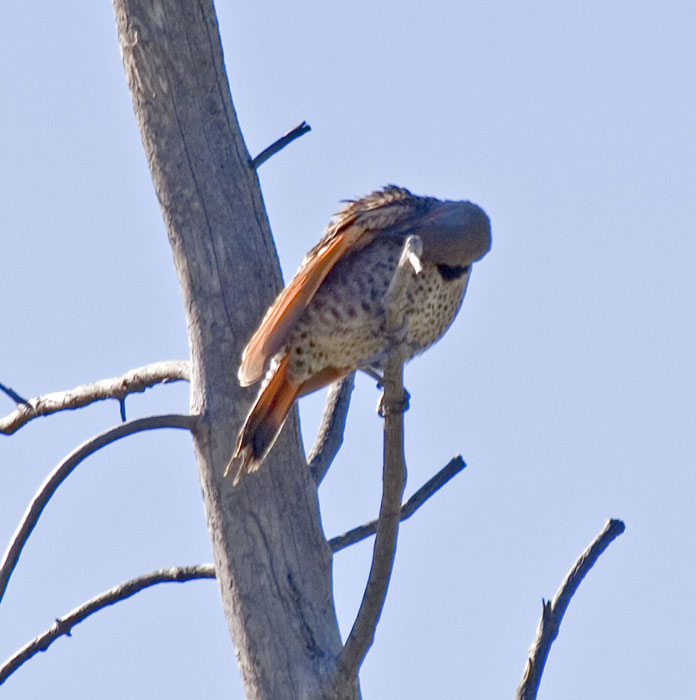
(395, 406)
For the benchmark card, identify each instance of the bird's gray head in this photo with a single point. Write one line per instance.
(454, 233)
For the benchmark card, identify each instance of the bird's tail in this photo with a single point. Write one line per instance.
(264, 422)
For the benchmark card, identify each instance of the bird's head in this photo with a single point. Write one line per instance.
(454, 233)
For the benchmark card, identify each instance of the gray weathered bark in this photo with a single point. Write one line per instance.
(272, 561)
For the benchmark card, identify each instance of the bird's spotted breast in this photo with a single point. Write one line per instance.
(341, 327)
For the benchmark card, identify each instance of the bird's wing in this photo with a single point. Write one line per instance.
(292, 301)
(352, 228)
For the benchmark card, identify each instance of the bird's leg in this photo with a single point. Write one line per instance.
(402, 407)
(371, 372)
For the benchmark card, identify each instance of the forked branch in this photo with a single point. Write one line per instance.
(63, 470)
(135, 380)
(394, 470)
(64, 625)
(552, 613)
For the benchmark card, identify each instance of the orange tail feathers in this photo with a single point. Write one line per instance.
(264, 422)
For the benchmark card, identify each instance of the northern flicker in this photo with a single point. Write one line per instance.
(328, 321)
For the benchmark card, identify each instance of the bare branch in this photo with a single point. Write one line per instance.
(357, 534)
(333, 423)
(135, 380)
(394, 471)
(13, 394)
(64, 625)
(362, 634)
(63, 470)
(552, 613)
(282, 142)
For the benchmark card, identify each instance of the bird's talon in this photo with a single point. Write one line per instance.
(395, 407)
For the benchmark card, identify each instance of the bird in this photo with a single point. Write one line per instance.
(329, 320)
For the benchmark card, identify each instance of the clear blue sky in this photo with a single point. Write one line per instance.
(567, 382)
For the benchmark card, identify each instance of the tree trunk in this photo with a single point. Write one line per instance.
(272, 561)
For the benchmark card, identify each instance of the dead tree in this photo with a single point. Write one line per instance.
(269, 548)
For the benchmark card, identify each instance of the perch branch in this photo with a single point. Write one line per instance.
(281, 143)
(394, 470)
(333, 424)
(357, 534)
(135, 380)
(63, 470)
(64, 625)
(552, 613)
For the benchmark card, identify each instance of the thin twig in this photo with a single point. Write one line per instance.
(333, 424)
(362, 633)
(552, 613)
(64, 625)
(357, 534)
(135, 380)
(63, 470)
(13, 394)
(282, 142)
